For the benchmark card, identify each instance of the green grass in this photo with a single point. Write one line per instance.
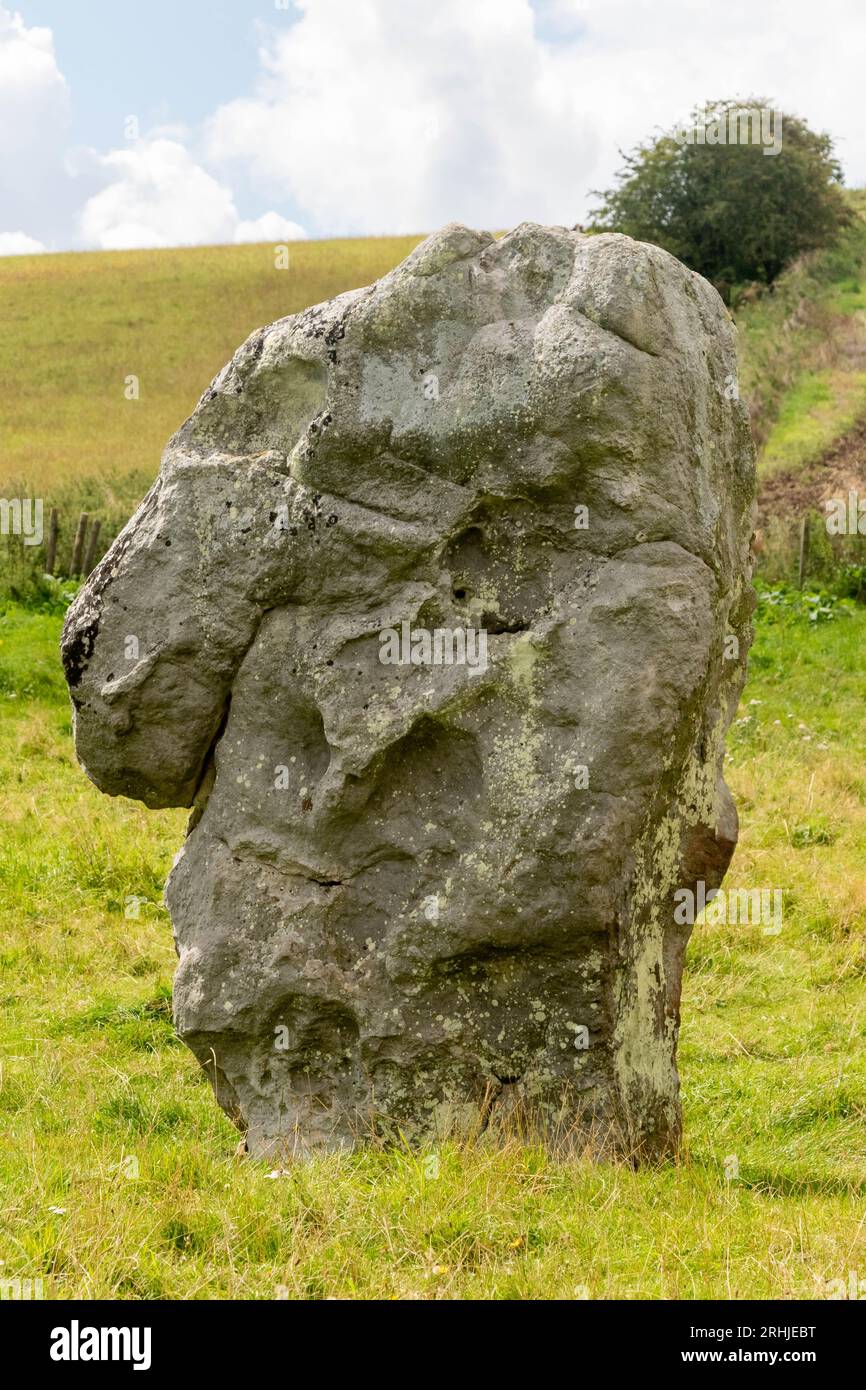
(803, 351)
(119, 1175)
(77, 325)
(817, 410)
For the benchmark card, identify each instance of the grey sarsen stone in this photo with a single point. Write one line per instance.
(413, 894)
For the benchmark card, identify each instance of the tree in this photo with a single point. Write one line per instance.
(736, 195)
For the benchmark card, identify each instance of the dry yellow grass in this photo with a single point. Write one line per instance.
(77, 325)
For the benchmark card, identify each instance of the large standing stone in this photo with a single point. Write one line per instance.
(414, 894)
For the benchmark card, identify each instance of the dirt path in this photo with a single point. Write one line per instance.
(840, 470)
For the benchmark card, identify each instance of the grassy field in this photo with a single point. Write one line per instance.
(78, 325)
(120, 1177)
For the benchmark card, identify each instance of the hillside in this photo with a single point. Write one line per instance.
(803, 352)
(78, 326)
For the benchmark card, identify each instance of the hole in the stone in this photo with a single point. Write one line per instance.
(495, 625)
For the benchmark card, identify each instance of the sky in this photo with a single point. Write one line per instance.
(148, 123)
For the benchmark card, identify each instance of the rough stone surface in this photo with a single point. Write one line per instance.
(397, 905)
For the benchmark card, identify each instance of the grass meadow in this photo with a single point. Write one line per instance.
(119, 1176)
(78, 324)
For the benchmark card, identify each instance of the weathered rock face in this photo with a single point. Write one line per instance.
(415, 893)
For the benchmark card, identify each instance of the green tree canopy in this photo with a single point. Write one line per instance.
(736, 194)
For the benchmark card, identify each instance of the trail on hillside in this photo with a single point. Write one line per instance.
(840, 470)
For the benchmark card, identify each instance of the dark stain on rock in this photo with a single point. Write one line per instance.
(76, 649)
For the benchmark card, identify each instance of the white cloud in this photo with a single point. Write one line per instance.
(269, 227)
(19, 244)
(158, 197)
(640, 67)
(397, 115)
(34, 119)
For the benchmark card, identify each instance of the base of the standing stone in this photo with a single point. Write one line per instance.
(568, 1121)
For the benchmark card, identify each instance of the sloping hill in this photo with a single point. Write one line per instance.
(79, 326)
(803, 352)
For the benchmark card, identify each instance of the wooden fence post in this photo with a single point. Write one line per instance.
(51, 544)
(804, 550)
(90, 552)
(78, 545)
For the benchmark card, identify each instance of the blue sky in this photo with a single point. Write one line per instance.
(171, 61)
(261, 120)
